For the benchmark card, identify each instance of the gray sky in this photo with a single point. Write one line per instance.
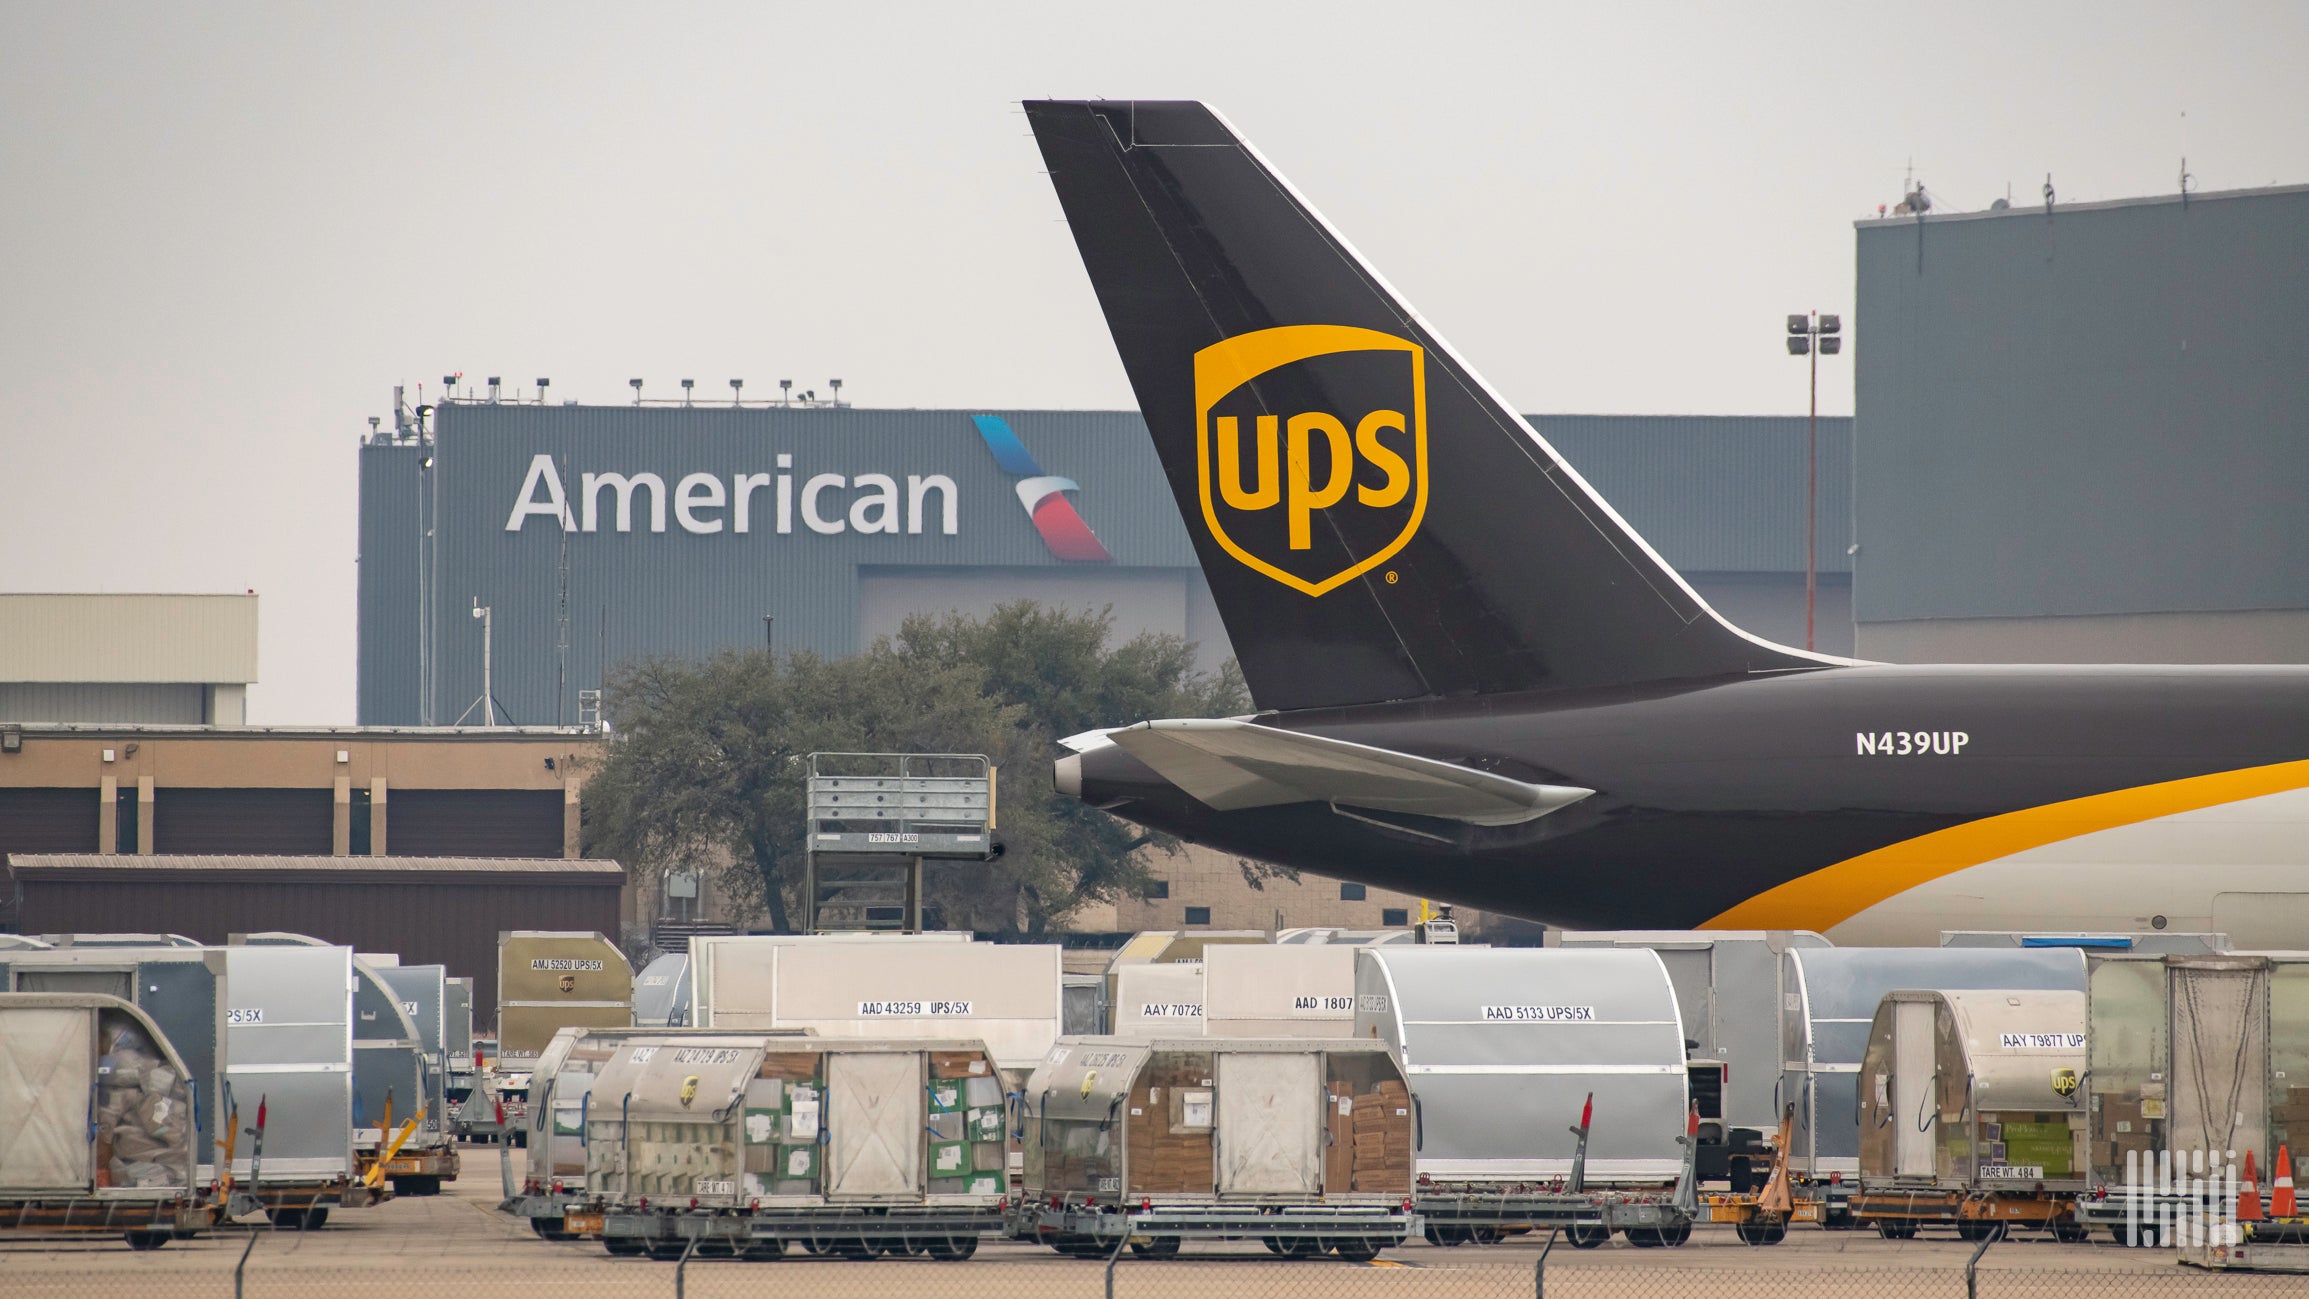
(227, 230)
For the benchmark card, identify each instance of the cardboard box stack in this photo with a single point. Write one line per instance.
(963, 1113)
(2124, 1127)
(784, 1104)
(1169, 1133)
(1381, 1120)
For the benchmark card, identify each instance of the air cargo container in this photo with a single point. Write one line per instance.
(289, 1058)
(1082, 1005)
(1728, 991)
(2191, 1058)
(99, 1113)
(547, 980)
(561, 1085)
(1828, 1001)
(661, 992)
(1294, 990)
(462, 1061)
(1550, 1088)
(1972, 1113)
(1006, 995)
(182, 990)
(743, 955)
(429, 1156)
(1305, 1144)
(1158, 1000)
(849, 1146)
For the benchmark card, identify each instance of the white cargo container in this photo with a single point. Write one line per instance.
(289, 1051)
(1298, 990)
(1159, 1000)
(1006, 995)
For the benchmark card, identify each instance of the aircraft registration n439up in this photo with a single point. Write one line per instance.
(1476, 683)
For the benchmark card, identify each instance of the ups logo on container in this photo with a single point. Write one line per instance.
(1311, 449)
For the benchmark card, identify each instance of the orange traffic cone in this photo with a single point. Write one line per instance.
(2281, 1202)
(2248, 1194)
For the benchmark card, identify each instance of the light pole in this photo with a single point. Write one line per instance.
(488, 700)
(1803, 333)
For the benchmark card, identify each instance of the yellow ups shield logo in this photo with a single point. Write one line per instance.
(1311, 449)
(2064, 1082)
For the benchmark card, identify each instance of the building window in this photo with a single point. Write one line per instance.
(1198, 915)
(1394, 917)
(1350, 893)
(1157, 889)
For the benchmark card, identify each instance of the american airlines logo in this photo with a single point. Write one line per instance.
(1062, 529)
(828, 504)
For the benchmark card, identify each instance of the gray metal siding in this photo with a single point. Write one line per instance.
(126, 704)
(391, 540)
(1722, 496)
(2101, 411)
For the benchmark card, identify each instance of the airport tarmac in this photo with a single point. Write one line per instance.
(458, 1243)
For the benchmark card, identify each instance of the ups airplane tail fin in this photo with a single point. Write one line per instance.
(1375, 522)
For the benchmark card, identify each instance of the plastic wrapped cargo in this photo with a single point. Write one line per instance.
(1294, 990)
(1158, 1000)
(1978, 1091)
(183, 991)
(1307, 1143)
(99, 1109)
(1503, 1046)
(1006, 995)
(1828, 1001)
(858, 1143)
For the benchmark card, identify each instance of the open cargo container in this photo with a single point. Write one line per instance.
(547, 980)
(1005, 995)
(429, 1156)
(751, 1142)
(1159, 1000)
(1972, 1113)
(1728, 991)
(1082, 1005)
(2192, 1057)
(289, 1053)
(1303, 1143)
(1504, 1048)
(1292, 990)
(181, 989)
(99, 1133)
(1828, 1001)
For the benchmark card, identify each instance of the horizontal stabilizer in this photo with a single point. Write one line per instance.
(1231, 764)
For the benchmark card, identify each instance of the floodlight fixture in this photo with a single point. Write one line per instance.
(635, 384)
(1831, 324)
(1831, 344)
(1799, 324)
(1799, 345)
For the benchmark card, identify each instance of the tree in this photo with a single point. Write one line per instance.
(706, 765)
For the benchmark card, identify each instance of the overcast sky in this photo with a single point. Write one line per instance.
(227, 230)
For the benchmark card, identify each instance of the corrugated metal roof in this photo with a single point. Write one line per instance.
(204, 639)
(331, 866)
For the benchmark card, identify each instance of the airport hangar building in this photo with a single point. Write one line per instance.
(698, 528)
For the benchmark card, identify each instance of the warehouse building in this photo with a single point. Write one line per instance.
(590, 534)
(2080, 432)
(149, 659)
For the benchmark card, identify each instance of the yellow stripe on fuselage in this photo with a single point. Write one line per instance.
(1834, 894)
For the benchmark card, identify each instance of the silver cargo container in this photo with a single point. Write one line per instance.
(1503, 1046)
(1294, 990)
(1006, 995)
(97, 1106)
(1828, 1001)
(289, 1049)
(1158, 1000)
(182, 990)
(429, 1157)
(661, 992)
(1977, 1091)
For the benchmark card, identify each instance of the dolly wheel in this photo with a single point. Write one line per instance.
(625, 1246)
(950, 1249)
(1587, 1235)
(1156, 1247)
(1763, 1231)
(1980, 1229)
(1357, 1251)
(143, 1240)
(1891, 1230)
(2070, 1233)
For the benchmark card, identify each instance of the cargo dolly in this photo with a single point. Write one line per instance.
(1085, 1228)
(1762, 1218)
(760, 1232)
(1649, 1219)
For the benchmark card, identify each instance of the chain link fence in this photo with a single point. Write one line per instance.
(472, 1255)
